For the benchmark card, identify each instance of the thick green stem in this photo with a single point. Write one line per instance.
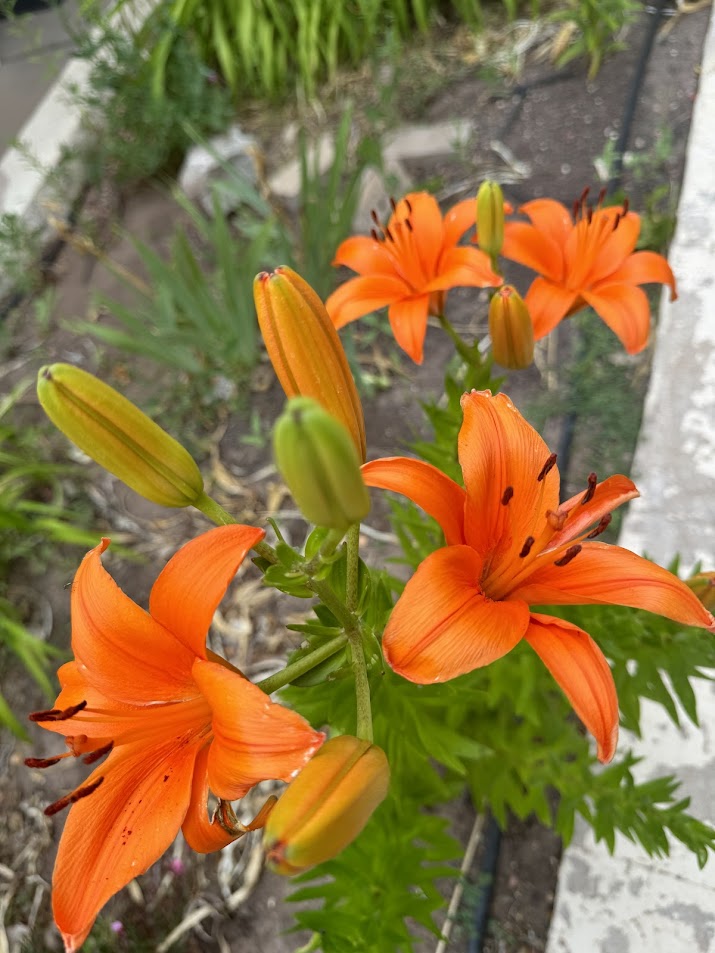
(302, 665)
(267, 551)
(215, 512)
(470, 355)
(353, 567)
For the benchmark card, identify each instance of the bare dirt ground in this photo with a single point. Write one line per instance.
(540, 135)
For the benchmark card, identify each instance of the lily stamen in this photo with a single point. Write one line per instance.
(571, 553)
(72, 798)
(605, 521)
(507, 495)
(526, 548)
(592, 483)
(57, 714)
(549, 465)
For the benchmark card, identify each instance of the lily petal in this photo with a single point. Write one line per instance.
(425, 485)
(550, 217)
(626, 311)
(531, 247)
(458, 220)
(365, 256)
(548, 304)
(427, 232)
(579, 667)
(499, 449)
(443, 625)
(602, 574)
(617, 247)
(464, 267)
(189, 588)
(608, 496)
(118, 831)
(361, 296)
(201, 834)
(123, 652)
(644, 268)
(254, 738)
(408, 320)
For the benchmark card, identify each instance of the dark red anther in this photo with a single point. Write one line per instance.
(605, 520)
(408, 223)
(41, 762)
(389, 234)
(584, 195)
(393, 204)
(549, 465)
(592, 483)
(375, 236)
(72, 798)
(589, 214)
(507, 495)
(571, 553)
(526, 548)
(409, 206)
(57, 714)
(626, 207)
(375, 217)
(601, 196)
(98, 753)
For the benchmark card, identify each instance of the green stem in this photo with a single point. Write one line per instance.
(353, 567)
(267, 551)
(469, 354)
(215, 512)
(302, 665)
(328, 547)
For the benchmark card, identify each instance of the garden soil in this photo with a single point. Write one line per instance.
(539, 130)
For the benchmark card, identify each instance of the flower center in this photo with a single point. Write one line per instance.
(398, 239)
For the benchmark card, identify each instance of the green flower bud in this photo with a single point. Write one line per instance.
(118, 436)
(319, 462)
(490, 219)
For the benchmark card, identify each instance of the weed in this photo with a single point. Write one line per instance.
(593, 28)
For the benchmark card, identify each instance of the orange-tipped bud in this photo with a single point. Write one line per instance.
(511, 330)
(118, 436)
(327, 805)
(490, 219)
(703, 585)
(305, 349)
(318, 460)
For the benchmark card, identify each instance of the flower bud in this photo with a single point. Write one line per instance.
(490, 219)
(305, 349)
(319, 463)
(510, 329)
(118, 436)
(327, 805)
(703, 585)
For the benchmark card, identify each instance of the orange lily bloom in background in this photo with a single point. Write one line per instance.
(587, 260)
(510, 545)
(408, 265)
(175, 720)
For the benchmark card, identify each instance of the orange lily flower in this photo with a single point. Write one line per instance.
(408, 265)
(510, 545)
(587, 260)
(175, 720)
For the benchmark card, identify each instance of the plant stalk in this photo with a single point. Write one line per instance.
(302, 665)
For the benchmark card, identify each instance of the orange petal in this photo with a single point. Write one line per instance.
(604, 574)
(499, 449)
(124, 653)
(427, 229)
(361, 296)
(426, 486)
(255, 739)
(408, 320)
(643, 268)
(608, 496)
(201, 834)
(626, 311)
(365, 256)
(619, 244)
(584, 675)
(535, 249)
(443, 625)
(118, 831)
(464, 268)
(189, 588)
(550, 217)
(457, 220)
(548, 304)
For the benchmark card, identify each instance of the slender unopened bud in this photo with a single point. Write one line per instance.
(305, 349)
(118, 436)
(490, 219)
(510, 329)
(703, 585)
(327, 805)
(318, 460)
